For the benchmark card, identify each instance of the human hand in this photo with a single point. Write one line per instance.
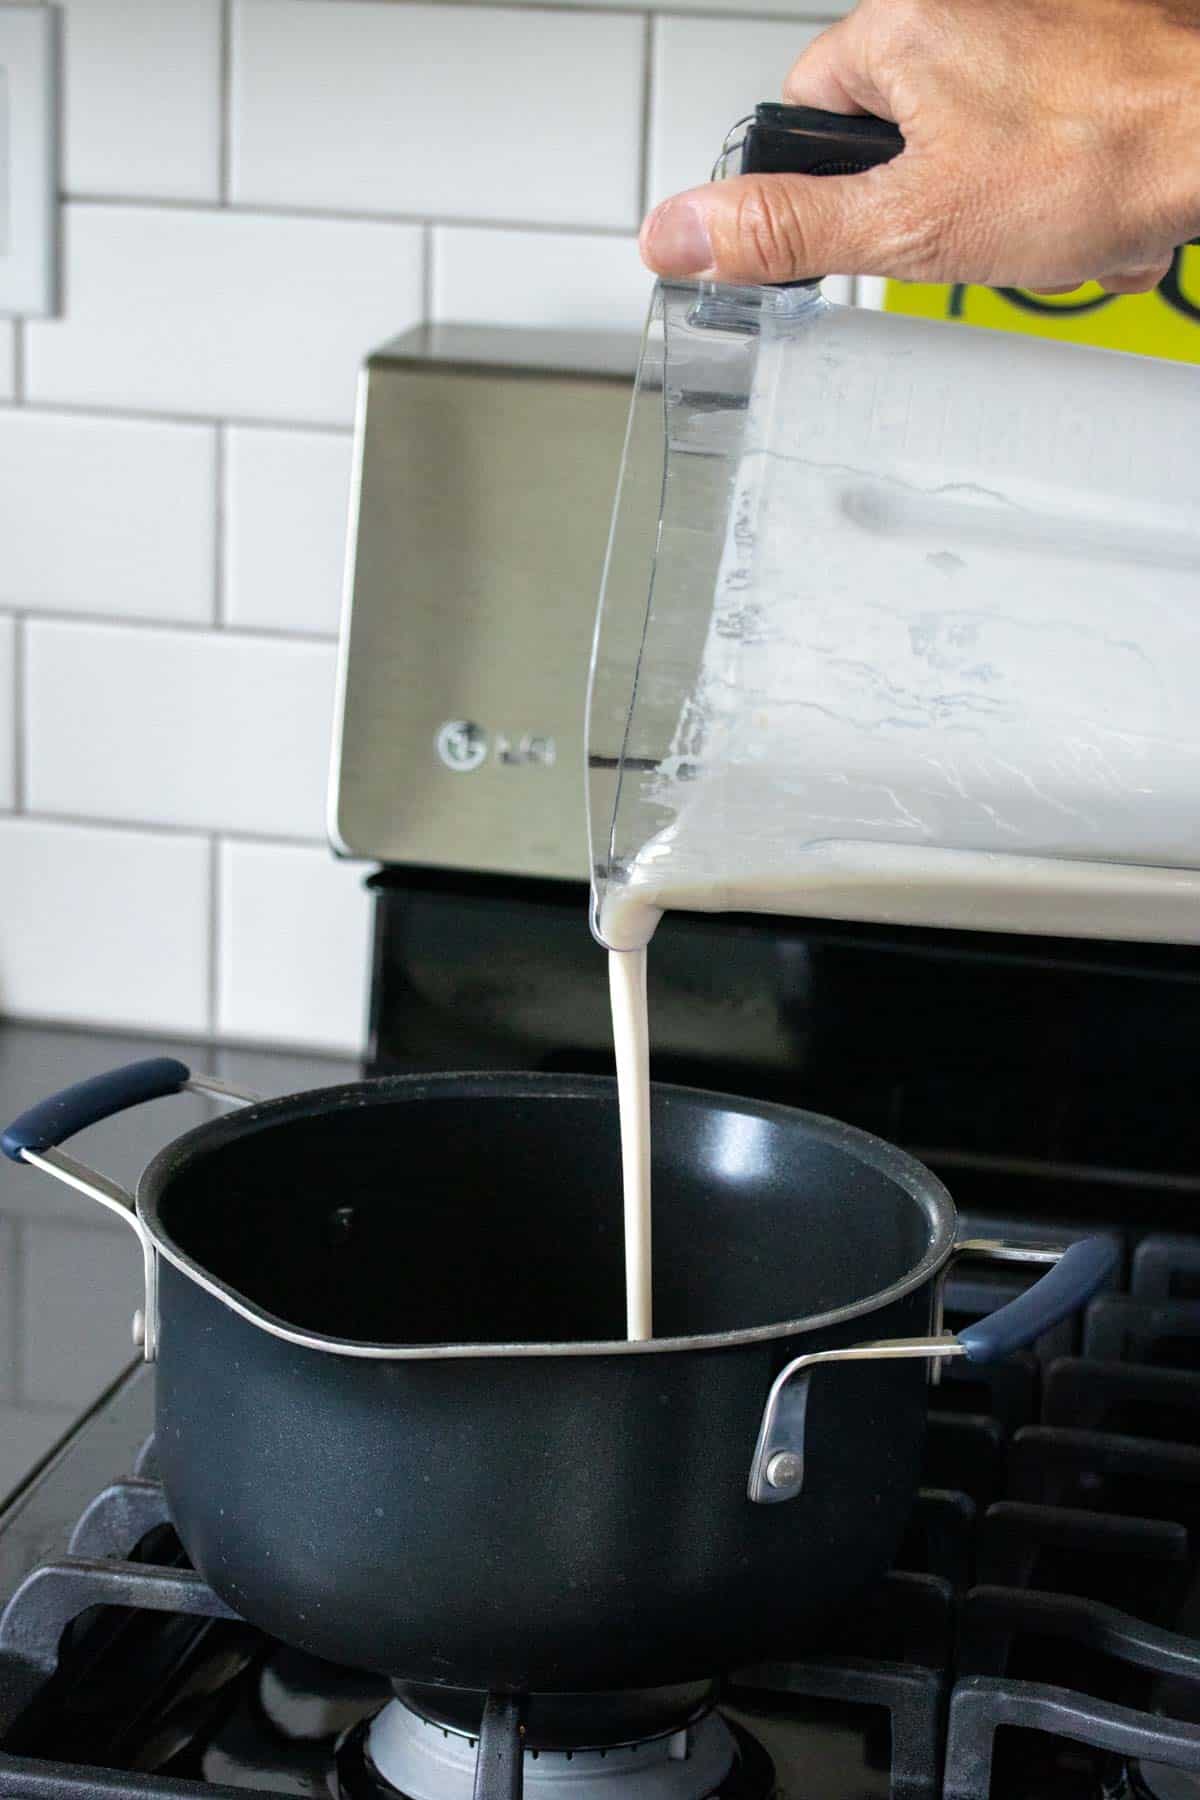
(1047, 143)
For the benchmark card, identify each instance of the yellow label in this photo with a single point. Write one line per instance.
(1164, 323)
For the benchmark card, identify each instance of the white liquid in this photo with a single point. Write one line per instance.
(631, 1040)
(949, 668)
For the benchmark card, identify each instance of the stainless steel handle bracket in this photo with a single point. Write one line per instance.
(213, 1088)
(988, 1250)
(120, 1201)
(777, 1470)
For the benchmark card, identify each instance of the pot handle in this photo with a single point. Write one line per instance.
(51, 1122)
(1078, 1272)
(35, 1137)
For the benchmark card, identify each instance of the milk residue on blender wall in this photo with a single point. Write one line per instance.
(945, 673)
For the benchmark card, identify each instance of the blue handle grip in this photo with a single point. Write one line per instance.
(53, 1121)
(1080, 1272)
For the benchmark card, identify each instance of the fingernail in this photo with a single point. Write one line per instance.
(675, 239)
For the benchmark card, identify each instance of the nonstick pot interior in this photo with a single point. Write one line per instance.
(477, 1210)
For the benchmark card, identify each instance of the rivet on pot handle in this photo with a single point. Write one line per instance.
(1079, 1272)
(35, 1138)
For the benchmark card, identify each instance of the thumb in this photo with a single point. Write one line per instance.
(770, 228)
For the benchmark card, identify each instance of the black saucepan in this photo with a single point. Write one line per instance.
(397, 1421)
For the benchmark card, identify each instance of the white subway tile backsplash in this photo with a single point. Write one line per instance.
(708, 73)
(106, 515)
(238, 326)
(447, 111)
(8, 712)
(104, 926)
(142, 98)
(81, 1290)
(222, 731)
(294, 939)
(286, 501)
(228, 314)
(483, 276)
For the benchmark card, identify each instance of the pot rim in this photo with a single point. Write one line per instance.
(908, 1174)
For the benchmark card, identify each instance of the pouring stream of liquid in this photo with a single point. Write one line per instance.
(631, 1039)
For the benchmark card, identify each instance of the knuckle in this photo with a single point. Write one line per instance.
(770, 234)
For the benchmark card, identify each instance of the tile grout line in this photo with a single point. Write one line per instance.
(345, 215)
(225, 105)
(180, 1035)
(74, 409)
(270, 634)
(649, 70)
(197, 833)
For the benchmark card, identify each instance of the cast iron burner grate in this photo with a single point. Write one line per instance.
(1040, 1637)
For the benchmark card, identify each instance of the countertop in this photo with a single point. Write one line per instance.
(70, 1272)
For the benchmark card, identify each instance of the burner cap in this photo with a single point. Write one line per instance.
(400, 1753)
(590, 1721)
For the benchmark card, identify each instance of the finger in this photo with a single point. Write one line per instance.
(823, 74)
(1134, 281)
(770, 228)
(1053, 292)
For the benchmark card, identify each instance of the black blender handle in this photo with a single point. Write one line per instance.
(802, 140)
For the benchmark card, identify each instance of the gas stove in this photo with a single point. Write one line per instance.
(1038, 1638)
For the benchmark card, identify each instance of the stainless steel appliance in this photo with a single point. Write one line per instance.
(485, 463)
(1039, 1636)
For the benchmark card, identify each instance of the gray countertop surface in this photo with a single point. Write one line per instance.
(70, 1272)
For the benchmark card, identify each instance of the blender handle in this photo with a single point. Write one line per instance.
(803, 140)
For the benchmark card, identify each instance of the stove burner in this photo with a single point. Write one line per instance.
(592, 1721)
(403, 1755)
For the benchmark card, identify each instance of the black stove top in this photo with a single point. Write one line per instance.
(1039, 1638)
